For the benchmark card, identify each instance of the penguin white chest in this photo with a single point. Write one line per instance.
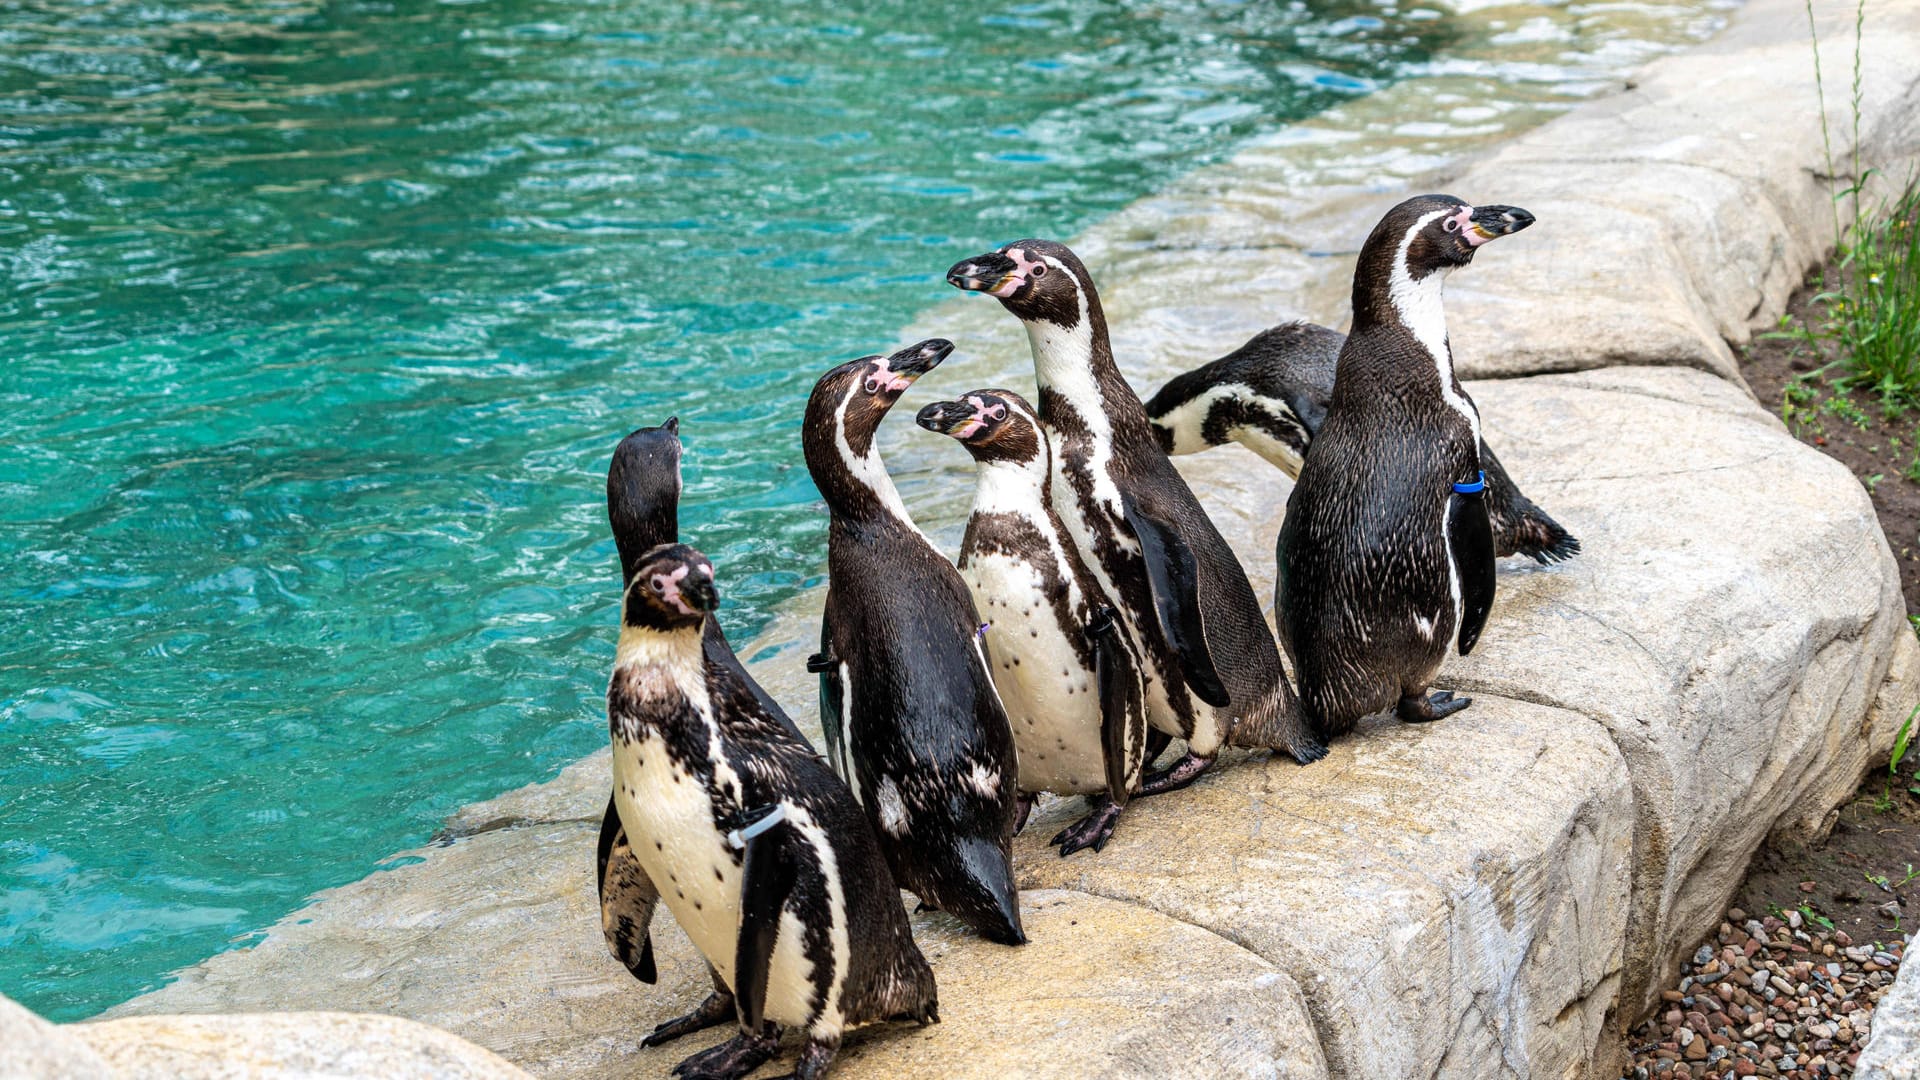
(1050, 696)
(670, 824)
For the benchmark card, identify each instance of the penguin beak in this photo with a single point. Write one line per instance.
(1492, 222)
(699, 594)
(993, 273)
(916, 360)
(953, 418)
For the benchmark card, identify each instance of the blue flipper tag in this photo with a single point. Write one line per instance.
(1474, 488)
(737, 839)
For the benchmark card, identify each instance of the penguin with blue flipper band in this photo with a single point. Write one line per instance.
(1386, 556)
(1270, 395)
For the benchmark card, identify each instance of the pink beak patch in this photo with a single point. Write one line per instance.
(1022, 271)
(668, 586)
(1463, 224)
(885, 378)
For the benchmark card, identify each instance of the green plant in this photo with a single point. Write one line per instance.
(1901, 740)
(1812, 916)
(1842, 406)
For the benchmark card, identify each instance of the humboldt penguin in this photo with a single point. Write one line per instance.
(1067, 670)
(750, 840)
(1270, 395)
(1211, 670)
(907, 703)
(1386, 553)
(643, 503)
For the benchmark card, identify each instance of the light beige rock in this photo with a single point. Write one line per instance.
(1893, 1047)
(289, 1045)
(496, 936)
(32, 1048)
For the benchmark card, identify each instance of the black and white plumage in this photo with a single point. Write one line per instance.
(756, 847)
(643, 506)
(1213, 674)
(907, 703)
(1066, 666)
(1386, 553)
(1270, 396)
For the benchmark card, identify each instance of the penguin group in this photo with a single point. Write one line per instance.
(1093, 615)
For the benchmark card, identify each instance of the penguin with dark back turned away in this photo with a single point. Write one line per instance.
(1270, 396)
(1066, 667)
(1213, 674)
(1386, 553)
(749, 838)
(907, 703)
(643, 506)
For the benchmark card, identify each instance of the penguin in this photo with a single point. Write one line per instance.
(1386, 552)
(1068, 674)
(1212, 673)
(1270, 396)
(643, 500)
(907, 701)
(750, 839)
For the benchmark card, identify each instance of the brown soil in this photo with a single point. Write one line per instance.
(1864, 879)
(1882, 450)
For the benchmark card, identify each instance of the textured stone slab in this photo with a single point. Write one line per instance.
(496, 937)
(32, 1048)
(1893, 1049)
(288, 1046)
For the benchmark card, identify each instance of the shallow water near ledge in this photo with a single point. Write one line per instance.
(322, 321)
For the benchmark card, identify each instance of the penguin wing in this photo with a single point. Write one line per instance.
(767, 874)
(1174, 576)
(1123, 723)
(832, 693)
(627, 899)
(1470, 546)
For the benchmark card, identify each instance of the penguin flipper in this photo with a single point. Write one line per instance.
(767, 875)
(627, 899)
(1470, 545)
(1122, 721)
(1174, 576)
(832, 723)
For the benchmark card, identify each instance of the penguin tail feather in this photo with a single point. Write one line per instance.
(1279, 724)
(1542, 539)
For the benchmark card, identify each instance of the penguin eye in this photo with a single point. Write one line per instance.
(1039, 271)
(659, 583)
(1450, 225)
(872, 385)
(998, 412)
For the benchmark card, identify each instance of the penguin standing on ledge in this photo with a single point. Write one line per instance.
(907, 702)
(1386, 553)
(1270, 396)
(643, 504)
(1066, 667)
(752, 842)
(1213, 674)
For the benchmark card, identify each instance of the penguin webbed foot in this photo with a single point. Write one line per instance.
(1092, 831)
(732, 1059)
(717, 1009)
(814, 1059)
(1418, 709)
(1173, 777)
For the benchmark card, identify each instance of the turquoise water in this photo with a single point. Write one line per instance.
(321, 320)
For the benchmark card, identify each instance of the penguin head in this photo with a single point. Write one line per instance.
(671, 589)
(994, 425)
(1431, 233)
(1033, 279)
(1415, 246)
(850, 401)
(643, 493)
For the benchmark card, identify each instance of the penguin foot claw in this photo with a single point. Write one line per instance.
(1173, 777)
(1092, 831)
(717, 1009)
(814, 1059)
(730, 1060)
(1415, 709)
